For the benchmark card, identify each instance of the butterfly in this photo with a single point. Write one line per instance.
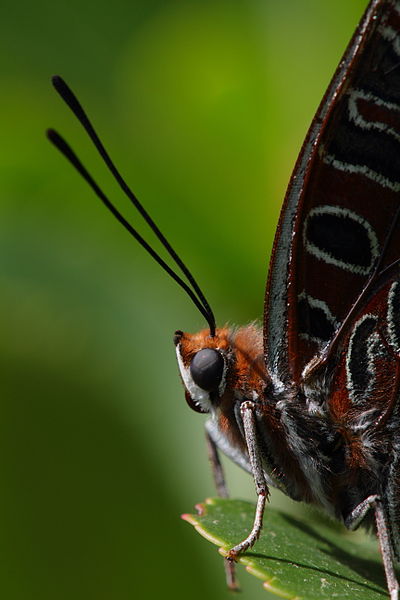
(310, 403)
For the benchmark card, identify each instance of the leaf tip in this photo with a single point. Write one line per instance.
(189, 518)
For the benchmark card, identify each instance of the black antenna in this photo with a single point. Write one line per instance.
(70, 99)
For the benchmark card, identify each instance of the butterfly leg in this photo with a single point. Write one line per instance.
(247, 410)
(222, 491)
(216, 467)
(382, 528)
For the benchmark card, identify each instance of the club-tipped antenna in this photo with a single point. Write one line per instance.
(70, 99)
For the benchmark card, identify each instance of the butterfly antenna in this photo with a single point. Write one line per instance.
(70, 99)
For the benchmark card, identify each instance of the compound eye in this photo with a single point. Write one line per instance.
(207, 368)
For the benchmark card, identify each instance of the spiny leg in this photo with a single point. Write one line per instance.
(386, 550)
(222, 491)
(216, 467)
(382, 529)
(247, 410)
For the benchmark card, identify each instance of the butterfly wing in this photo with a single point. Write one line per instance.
(366, 378)
(338, 225)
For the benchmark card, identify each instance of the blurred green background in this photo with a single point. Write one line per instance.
(203, 105)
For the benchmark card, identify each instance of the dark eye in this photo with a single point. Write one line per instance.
(206, 368)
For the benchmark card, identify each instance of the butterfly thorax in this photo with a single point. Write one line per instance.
(241, 375)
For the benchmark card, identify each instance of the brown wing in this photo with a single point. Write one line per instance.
(366, 378)
(342, 200)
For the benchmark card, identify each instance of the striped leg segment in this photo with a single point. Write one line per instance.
(249, 425)
(382, 528)
(222, 491)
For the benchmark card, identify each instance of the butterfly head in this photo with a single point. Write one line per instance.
(214, 367)
(204, 364)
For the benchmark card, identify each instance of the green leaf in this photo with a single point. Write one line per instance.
(298, 560)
